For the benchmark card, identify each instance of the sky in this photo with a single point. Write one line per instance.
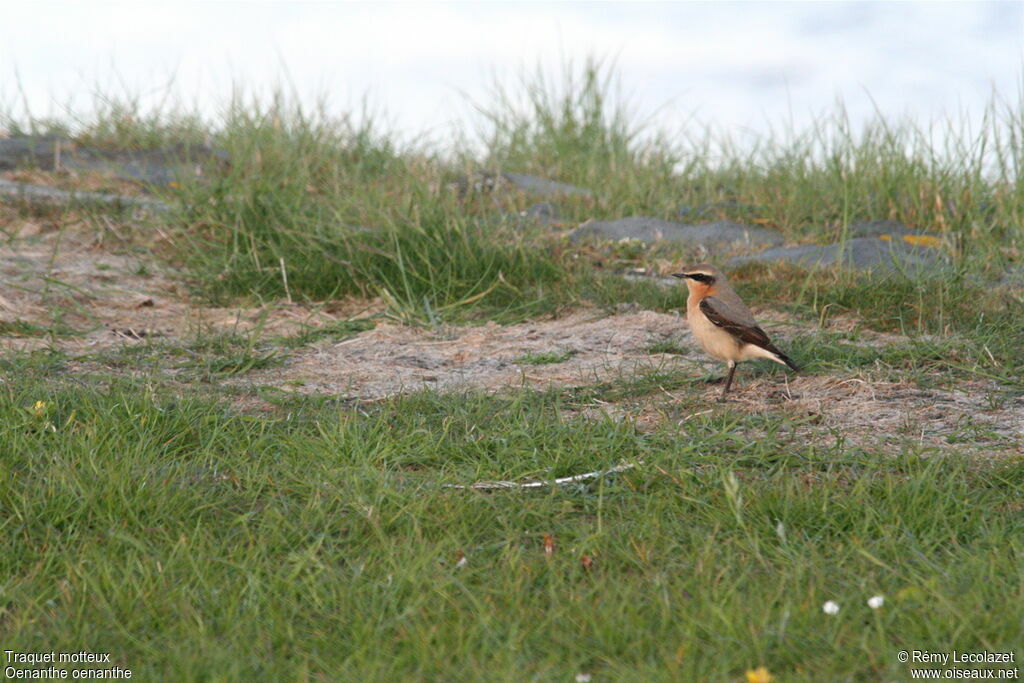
(740, 67)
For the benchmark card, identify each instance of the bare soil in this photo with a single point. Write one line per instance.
(394, 359)
(75, 289)
(92, 294)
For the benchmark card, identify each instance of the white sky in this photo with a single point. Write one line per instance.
(734, 65)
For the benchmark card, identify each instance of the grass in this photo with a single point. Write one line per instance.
(316, 206)
(208, 358)
(23, 328)
(193, 542)
(335, 332)
(427, 265)
(153, 519)
(961, 323)
(667, 346)
(545, 357)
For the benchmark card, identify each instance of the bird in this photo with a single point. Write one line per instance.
(722, 324)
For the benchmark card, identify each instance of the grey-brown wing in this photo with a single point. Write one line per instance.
(719, 313)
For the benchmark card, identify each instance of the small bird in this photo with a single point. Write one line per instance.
(722, 324)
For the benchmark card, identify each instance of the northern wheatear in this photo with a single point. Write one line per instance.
(722, 324)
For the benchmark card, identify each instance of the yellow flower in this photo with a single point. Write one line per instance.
(758, 675)
(39, 409)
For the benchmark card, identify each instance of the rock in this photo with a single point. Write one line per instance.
(543, 187)
(142, 170)
(650, 230)
(36, 152)
(894, 230)
(860, 253)
(728, 232)
(663, 282)
(162, 166)
(29, 192)
(879, 228)
(159, 166)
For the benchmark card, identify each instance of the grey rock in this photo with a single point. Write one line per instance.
(880, 227)
(729, 232)
(860, 253)
(663, 282)
(544, 187)
(143, 170)
(160, 166)
(650, 230)
(28, 192)
(36, 152)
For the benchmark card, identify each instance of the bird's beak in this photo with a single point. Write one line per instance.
(681, 276)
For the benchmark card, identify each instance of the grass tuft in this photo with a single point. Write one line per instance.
(545, 358)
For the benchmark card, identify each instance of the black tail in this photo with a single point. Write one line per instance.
(789, 361)
(781, 356)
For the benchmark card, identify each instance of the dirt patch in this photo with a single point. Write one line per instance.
(593, 347)
(66, 289)
(872, 412)
(394, 359)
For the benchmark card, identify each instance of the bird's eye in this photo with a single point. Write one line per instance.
(701, 277)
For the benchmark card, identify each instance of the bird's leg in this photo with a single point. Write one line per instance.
(728, 380)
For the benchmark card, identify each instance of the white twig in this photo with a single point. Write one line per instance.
(492, 485)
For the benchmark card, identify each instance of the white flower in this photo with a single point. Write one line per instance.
(830, 607)
(583, 678)
(876, 601)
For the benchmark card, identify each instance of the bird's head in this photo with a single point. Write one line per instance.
(701, 279)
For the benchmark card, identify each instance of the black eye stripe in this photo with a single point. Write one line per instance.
(701, 277)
